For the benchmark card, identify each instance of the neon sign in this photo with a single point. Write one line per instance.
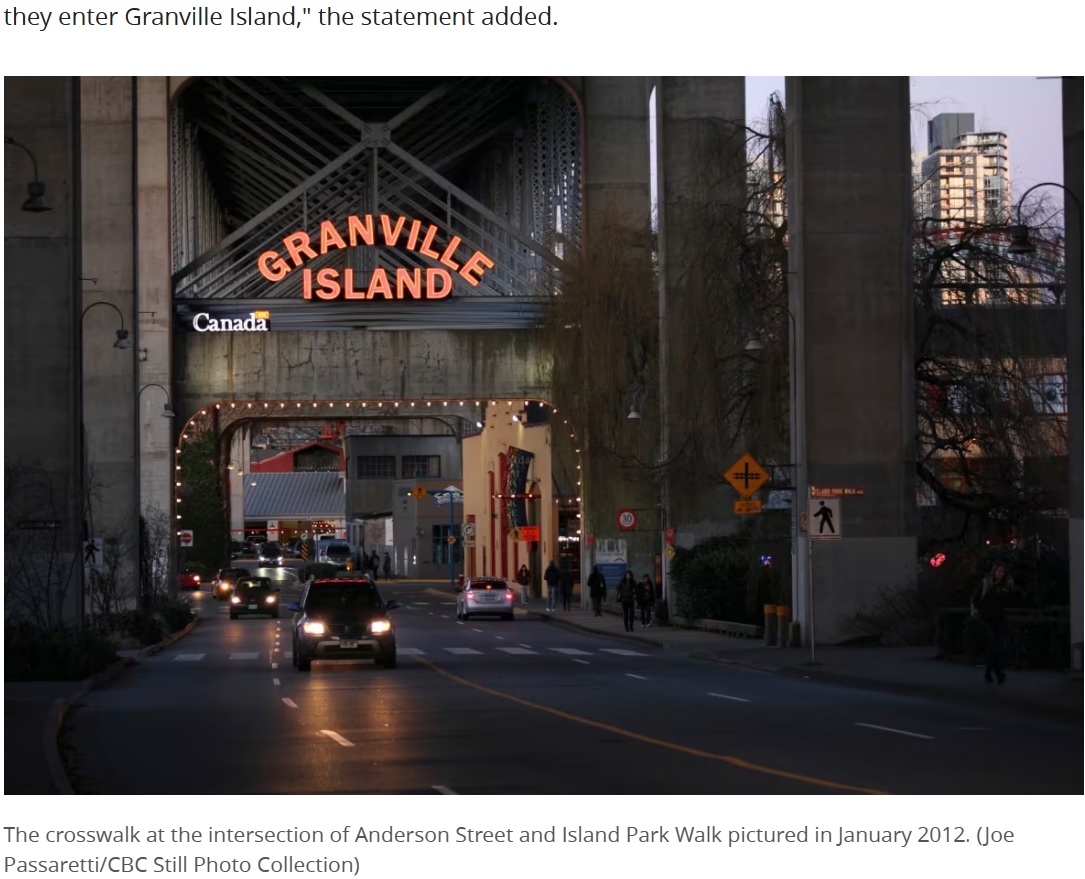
(329, 284)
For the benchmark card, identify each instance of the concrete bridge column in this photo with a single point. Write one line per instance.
(109, 303)
(849, 204)
(1072, 165)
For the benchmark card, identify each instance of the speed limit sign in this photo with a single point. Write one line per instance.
(627, 520)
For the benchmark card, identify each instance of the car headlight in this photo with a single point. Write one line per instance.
(313, 628)
(196, 577)
(379, 627)
(235, 600)
(270, 599)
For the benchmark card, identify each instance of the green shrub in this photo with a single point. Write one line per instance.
(318, 570)
(712, 582)
(175, 613)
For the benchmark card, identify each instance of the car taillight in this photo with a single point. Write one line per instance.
(270, 599)
(508, 594)
(235, 600)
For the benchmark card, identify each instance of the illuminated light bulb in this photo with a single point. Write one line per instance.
(363, 405)
(231, 405)
(461, 402)
(282, 405)
(348, 405)
(509, 403)
(397, 404)
(178, 484)
(217, 406)
(250, 405)
(412, 404)
(265, 405)
(446, 402)
(299, 405)
(314, 405)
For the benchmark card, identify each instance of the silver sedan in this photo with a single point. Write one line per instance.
(485, 595)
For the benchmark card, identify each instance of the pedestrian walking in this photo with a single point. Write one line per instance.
(627, 598)
(989, 610)
(387, 567)
(567, 590)
(552, 576)
(646, 598)
(375, 565)
(523, 577)
(597, 590)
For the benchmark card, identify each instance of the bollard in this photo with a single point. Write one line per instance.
(770, 625)
(783, 612)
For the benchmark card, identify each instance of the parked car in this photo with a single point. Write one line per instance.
(224, 581)
(254, 595)
(270, 554)
(292, 548)
(322, 543)
(485, 595)
(236, 549)
(190, 576)
(343, 618)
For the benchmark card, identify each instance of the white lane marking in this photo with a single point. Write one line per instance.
(618, 651)
(571, 651)
(478, 630)
(463, 651)
(725, 696)
(528, 646)
(499, 637)
(518, 651)
(441, 789)
(432, 614)
(420, 602)
(582, 661)
(410, 651)
(445, 616)
(335, 737)
(276, 682)
(189, 657)
(289, 703)
(460, 623)
(900, 732)
(449, 603)
(244, 655)
(638, 677)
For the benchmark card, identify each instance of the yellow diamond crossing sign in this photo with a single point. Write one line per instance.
(746, 475)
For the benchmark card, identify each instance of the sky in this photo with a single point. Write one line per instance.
(1027, 108)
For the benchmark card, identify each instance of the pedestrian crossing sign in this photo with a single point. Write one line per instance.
(823, 518)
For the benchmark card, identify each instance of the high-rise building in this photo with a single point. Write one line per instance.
(965, 177)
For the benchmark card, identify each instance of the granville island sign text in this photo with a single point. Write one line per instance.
(412, 235)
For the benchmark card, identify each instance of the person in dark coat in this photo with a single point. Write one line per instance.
(523, 577)
(646, 599)
(989, 609)
(567, 590)
(627, 598)
(597, 590)
(387, 567)
(552, 576)
(375, 565)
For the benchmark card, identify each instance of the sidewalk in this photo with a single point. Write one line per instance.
(904, 670)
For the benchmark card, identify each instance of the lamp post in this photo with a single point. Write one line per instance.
(1020, 244)
(167, 412)
(35, 202)
(122, 334)
(802, 584)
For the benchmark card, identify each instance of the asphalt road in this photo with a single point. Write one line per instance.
(528, 707)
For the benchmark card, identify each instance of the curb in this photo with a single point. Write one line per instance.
(580, 627)
(58, 712)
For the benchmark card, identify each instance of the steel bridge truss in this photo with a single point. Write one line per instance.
(496, 162)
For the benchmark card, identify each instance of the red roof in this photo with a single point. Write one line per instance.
(284, 461)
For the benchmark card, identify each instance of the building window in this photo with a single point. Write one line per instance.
(1049, 394)
(442, 548)
(376, 467)
(421, 467)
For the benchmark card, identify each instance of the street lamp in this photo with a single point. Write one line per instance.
(122, 334)
(1020, 243)
(35, 203)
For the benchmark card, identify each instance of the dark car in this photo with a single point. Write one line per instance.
(292, 548)
(338, 552)
(270, 554)
(343, 618)
(225, 579)
(237, 549)
(253, 595)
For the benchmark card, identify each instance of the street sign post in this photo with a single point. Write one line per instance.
(746, 475)
(186, 539)
(627, 520)
(529, 533)
(836, 491)
(823, 519)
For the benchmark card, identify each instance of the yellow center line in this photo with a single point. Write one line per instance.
(649, 740)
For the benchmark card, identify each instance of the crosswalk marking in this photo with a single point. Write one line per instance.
(618, 651)
(189, 657)
(522, 650)
(244, 655)
(410, 651)
(463, 651)
(571, 651)
(518, 651)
